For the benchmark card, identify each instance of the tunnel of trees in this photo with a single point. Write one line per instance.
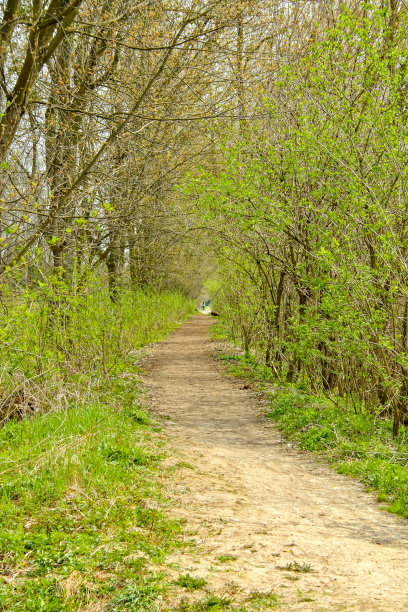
(260, 146)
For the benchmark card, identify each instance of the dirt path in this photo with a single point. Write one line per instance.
(257, 507)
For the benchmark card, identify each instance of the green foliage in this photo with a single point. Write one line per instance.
(310, 218)
(226, 558)
(55, 342)
(300, 568)
(141, 596)
(80, 492)
(262, 601)
(71, 509)
(190, 583)
(213, 603)
(255, 601)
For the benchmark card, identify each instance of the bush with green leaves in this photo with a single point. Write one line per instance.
(58, 340)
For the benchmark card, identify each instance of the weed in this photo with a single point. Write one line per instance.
(138, 415)
(262, 601)
(218, 331)
(136, 597)
(213, 603)
(226, 558)
(184, 464)
(304, 598)
(294, 566)
(190, 583)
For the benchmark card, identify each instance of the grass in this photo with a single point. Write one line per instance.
(294, 566)
(80, 506)
(211, 603)
(81, 502)
(190, 583)
(262, 601)
(226, 558)
(143, 596)
(360, 444)
(54, 352)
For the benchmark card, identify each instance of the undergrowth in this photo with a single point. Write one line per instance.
(358, 444)
(56, 346)
(81, 520)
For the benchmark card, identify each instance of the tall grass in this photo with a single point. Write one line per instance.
(54, 345)
(81, 520)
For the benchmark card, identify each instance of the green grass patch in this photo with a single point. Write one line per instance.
(80, 497)
(359, 444)
(300, 568)
(226, 558)
(219, 330)
(139, 596)
(262, 601)
(213, 603)
(190, 583)
(81, 502)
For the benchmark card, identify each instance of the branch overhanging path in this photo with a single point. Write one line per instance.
(258, 508)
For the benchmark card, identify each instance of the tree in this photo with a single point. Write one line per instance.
(309, 214)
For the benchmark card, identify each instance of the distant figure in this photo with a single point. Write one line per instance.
(202, 305)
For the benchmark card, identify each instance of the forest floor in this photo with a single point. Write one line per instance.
(270, 526)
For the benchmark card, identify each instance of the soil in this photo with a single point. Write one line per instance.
(266, 517)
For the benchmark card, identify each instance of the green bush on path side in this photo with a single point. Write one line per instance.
(81, 501)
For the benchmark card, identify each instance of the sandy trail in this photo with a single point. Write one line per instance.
(264, 505)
